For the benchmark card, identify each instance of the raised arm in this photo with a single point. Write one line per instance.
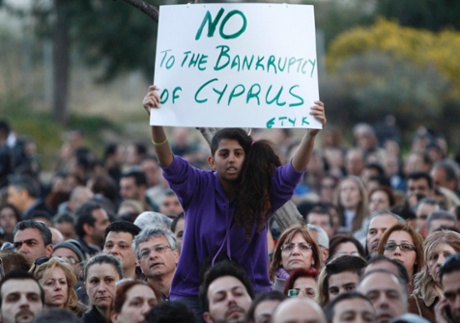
(159, 139)
(305, 148)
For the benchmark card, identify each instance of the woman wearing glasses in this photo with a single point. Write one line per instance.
(56, 278)
(402, 243)
(427, 286)
(302, 283)
(295, 249)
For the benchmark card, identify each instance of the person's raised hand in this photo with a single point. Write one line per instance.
(319, 113)
(152, 99)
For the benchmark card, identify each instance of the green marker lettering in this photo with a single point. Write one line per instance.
(212, 24)
(201, 88)
(254, 92)
(222, 55)
(291, 89)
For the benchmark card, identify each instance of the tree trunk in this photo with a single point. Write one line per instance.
(60, 61)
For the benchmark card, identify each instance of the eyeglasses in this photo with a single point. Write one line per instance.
(161, 248)
(310, 292)
(289, 247)
(403, 247)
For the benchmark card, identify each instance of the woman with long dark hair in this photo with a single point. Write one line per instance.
(228, 208)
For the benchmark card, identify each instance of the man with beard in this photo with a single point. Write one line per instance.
(119, 237)
(157, 253)
(226, 293)
(21, 298)
(448, 308)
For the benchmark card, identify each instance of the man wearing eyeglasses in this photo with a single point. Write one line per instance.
(33, 239)
(157, 253)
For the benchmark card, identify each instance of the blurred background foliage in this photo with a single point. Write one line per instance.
(86, 64)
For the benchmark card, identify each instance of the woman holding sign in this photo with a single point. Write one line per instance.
(227, 209)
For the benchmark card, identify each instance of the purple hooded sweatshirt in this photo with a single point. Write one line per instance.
(210, 231)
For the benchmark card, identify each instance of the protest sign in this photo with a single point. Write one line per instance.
(236, 65)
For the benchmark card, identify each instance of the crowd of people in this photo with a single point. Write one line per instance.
(179, 231)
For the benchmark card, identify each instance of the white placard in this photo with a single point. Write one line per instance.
(236, 65)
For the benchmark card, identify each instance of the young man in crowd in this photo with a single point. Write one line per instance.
(33, 239)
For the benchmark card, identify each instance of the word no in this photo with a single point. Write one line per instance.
(212, 24)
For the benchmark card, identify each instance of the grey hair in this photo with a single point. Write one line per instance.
(149, 218)
(323, 239)
(150, 232)
(380, 213)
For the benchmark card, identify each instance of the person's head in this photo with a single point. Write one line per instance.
(135, 152)
(79, 196)
(178, 227)
(170, 204)
(149, 218)
(354, 161)
(119, 236)
(56, 278)
(263, 305)
(101, 274)
(422, 210)
(402, 243)
(57, 315)
(21, 191)
(12, 260)
(174, 311)
(350, 307)
(419, 183)
(339, 276)
(152, 170)
(33, 239)
(381, 198)
(342, 244)
(133, 185)
(295, 249)
(21, 297)
(321, 217)
(438, 219)
(226, 293)
(386, 292)
(9, 217)
(302, 283)
(438, 246)
(104, 185)
(321, 238)
(92, 220)
(298, 310)
(379, 222)
(351, 193)
(157, 253)
(450, 282)
(445, 173)
(371, 170)
(65, 223)
(70, 251)
(391, 265)
(133, 300)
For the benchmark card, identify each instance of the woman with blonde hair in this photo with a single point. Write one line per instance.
(295, 249)
(56, 278)
(427, 289)
(352, 203)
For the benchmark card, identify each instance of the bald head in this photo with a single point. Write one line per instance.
(298, 310)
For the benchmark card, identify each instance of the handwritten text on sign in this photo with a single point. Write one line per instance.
(236, 65)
